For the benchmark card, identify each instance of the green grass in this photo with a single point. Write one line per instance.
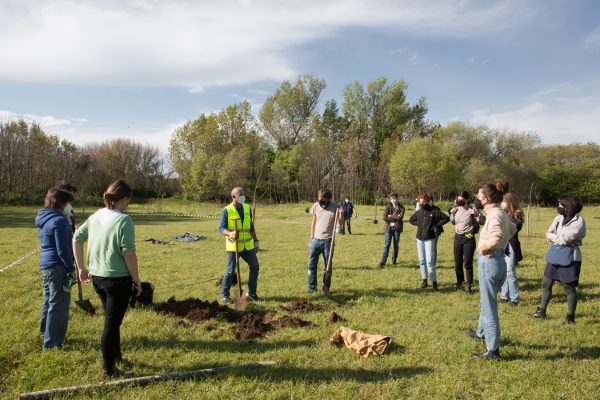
(429, 358)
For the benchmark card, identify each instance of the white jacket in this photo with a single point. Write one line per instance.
(569, 234)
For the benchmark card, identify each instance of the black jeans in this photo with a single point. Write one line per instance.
(464, 249)
(114, 294)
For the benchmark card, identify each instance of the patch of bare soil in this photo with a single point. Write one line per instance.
(302, 305)
(196, 310)
(289, 321)
(334, 317)
(251, 326)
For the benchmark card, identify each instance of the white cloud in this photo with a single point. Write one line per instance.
(199, 44)
(414, 59)
(487, 60)
(397, 51)
(556, 119)
(470, 60)
(45, 121)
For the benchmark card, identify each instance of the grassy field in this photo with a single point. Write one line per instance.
(429, 358)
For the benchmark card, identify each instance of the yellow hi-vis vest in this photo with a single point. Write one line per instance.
(245, 241)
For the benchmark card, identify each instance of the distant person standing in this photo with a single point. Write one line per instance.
(493, 239)
(429, 220)
(393, 227)
(466, 220)
(567, 229)
(247, 243)
(321, 234)
(348, 210)
(56, 267)
(510, 289)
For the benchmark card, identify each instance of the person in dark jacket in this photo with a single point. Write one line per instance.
(348, 211)
(56, 267)
(392, 216)
(509, 292)
(429, 220)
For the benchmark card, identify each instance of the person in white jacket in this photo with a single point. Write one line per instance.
(567, 229)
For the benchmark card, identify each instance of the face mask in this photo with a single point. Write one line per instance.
(560, 210)
(503, 206)
(478, 204)
(461, 202)
(241, 199)
(323, 203)
(394, 201)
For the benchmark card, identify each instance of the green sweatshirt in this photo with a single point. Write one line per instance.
(110, 234)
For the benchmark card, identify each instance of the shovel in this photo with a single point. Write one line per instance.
(239, 300)
(327, 274)
(85, 305)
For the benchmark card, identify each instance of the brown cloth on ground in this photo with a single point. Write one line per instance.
(361, 343)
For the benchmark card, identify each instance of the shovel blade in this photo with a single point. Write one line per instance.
(239, 300)
(86, 306)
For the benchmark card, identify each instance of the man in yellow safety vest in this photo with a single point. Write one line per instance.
(247, 243)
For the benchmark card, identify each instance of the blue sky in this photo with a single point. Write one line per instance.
(89, 71)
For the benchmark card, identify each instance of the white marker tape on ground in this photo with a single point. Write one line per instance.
(20, 260)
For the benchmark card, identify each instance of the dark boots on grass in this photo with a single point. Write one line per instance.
(541, 314)
(433, 285)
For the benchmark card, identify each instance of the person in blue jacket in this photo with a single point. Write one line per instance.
(56, 267)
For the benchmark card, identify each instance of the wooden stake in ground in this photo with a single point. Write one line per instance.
(143, 380)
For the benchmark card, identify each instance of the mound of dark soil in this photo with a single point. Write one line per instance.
(289, 321)
(251, 326)
(301, 305)
(196, 310)
(333, 318)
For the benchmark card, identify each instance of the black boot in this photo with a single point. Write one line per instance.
(539, 313)
(569, 319)
(459, 286)
(424, 284)
(469, 289)
(434, 284)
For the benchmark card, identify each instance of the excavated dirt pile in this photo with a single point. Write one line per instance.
(302, 305)
(197, 310)
(248, 325)
(289, 321)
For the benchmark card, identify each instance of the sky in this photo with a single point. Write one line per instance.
(90, 71)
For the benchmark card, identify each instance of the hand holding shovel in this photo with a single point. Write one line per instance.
(239, 301)
(327, 274)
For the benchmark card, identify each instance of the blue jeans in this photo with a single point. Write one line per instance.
(427, 252)
(510, 289)
(318, 247)
(389, 237)
(250, 257)
(54, 317)
(492, 274)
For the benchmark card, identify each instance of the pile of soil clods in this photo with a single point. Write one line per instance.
(301, 305)
(251, 326)
(289, 321)
(197, 310)
(334, 317)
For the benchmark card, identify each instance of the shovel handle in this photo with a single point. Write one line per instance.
(328, 268)
(237, 254)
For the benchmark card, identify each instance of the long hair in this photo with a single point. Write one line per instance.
(57, 198)
(571, 204)
(513, 206)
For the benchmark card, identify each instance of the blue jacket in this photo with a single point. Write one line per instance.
(55, 238)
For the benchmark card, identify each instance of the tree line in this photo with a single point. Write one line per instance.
(375, 142)
(31, 161)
